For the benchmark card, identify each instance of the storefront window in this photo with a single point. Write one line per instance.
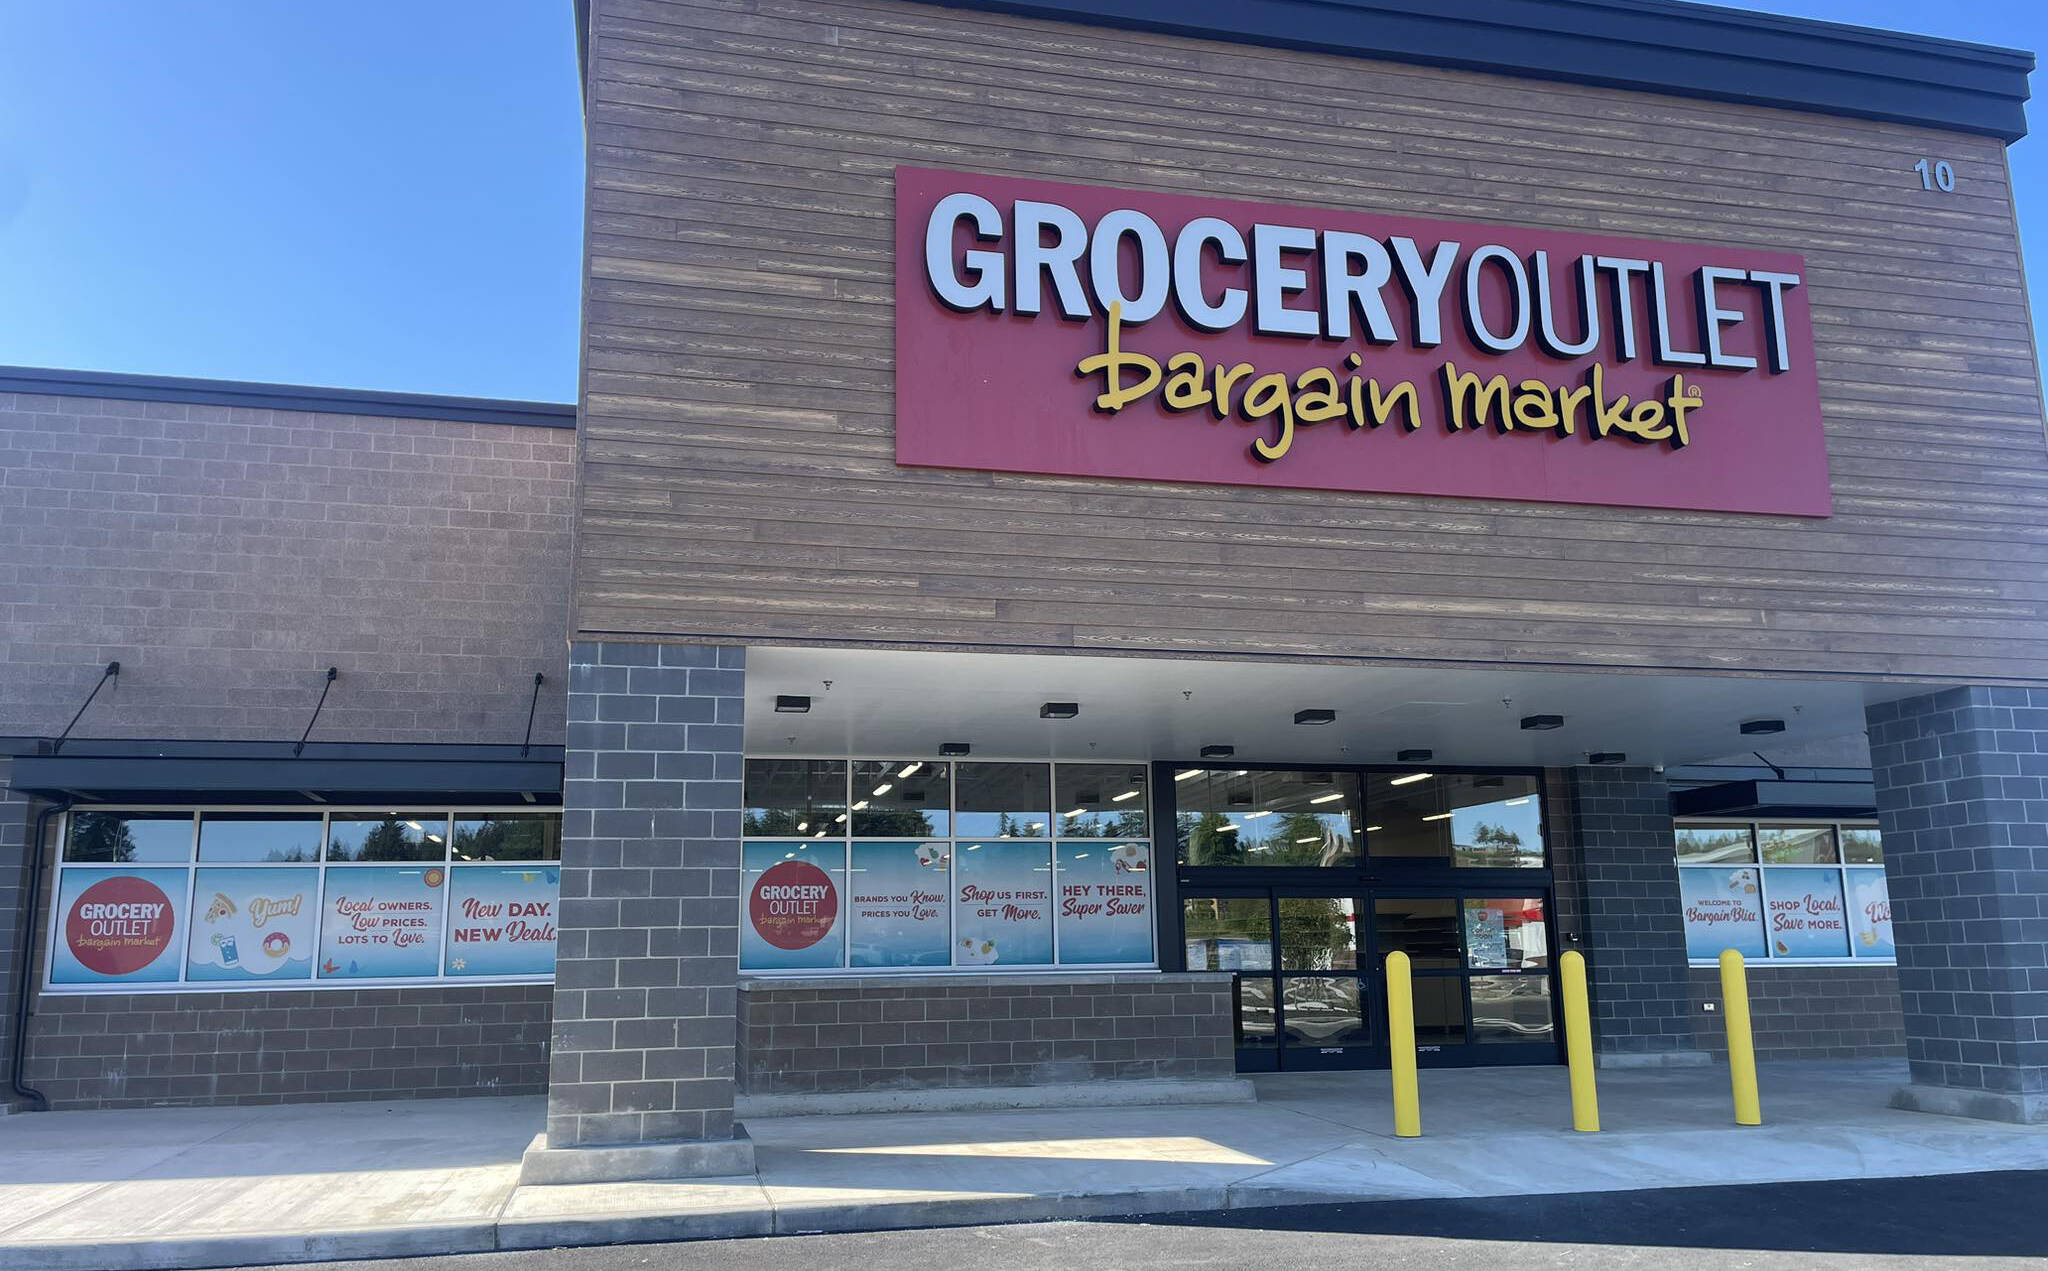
(1786, 898)
(1511, 1008)
(274, 897)
(939, 864)
(1227, 933)
(795, 796)
(1100, 801)
(1241, 817)
(902, 798)
(1482, 821)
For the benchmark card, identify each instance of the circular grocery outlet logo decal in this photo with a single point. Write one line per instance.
(119, 925)
(793, 905)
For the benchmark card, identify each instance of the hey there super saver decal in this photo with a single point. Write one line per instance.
(1084, 331)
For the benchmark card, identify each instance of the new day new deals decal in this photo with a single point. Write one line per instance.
(254, 924)
(119, 925)
(1086, 331)
(503, 922)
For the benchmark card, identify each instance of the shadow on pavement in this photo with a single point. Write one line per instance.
(1990, 1215)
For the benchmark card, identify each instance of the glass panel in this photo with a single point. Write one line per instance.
(258, 836)
(130, 837)
(1318, 933)
(1511, 1008)
(1716, 845)
(255, 925)
(1724, 909)
(902, 798)
(1003, 800)
(1324, 1010)
(790, 905)
(1227, 933)
(1439, 1010)
(1797, 844)
(1861, 845)
(395, 836)
(1870, 914)
(382, 922)
(1105, 913)
(1485, 821)
(1002, 904)
(1505, 933)
(503, 922)
(1255, 1011)
(1104, 801)
(505, 836)
(1239, 817)
(1803, 913)
(118, 925)
(899, 915)
(795, 796)
(1425, 929)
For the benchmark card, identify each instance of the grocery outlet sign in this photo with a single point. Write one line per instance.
(1084, 331)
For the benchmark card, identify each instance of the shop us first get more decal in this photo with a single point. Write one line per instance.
(1084, 331)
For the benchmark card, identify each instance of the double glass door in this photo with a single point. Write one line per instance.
(1310, 973)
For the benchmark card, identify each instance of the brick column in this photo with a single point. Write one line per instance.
(647, 964)
(1962, 799)
(1634, 933)
(16, 915)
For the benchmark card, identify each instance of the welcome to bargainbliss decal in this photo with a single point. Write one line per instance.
(1084, 331)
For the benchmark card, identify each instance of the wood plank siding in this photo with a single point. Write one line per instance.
(738, 480)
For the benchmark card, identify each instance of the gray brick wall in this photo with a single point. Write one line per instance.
(1819, 1012)
(227, 556)
(321, 1045)
(648, 954)
(1962, 800)
(878, 1033)
(1624, 860)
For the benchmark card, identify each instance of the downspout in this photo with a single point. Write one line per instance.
(24, 977)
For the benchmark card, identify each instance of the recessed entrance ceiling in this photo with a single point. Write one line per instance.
(887, 702)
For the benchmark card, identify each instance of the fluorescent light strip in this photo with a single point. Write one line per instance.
(1516, 803)
(1128, 794)
(1411, 778)
(908, 768)
(1313, 838)
(882, 789)
(1441, 816)
(1332, 797)
(1187, 774)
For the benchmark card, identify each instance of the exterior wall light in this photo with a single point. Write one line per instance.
(1316, 716)
(1607, 757)
(1218, 752)
(792, 704)
(1762, 727)
(1541, 723)
(1059, 710)
(954, 749)
(1416, 756)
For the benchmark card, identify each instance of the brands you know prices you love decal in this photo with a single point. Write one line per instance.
(1083, 331)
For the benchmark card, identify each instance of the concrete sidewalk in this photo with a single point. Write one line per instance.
(191, 1187)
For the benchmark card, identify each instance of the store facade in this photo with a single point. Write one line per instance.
(1085, 532)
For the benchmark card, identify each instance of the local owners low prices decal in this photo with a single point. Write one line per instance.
(1083, 331)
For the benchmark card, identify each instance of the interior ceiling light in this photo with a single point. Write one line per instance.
(792, 704)
(1541, 723)
(1226, 829)
(1186, 774)
(1374, 829)
(1313, 838)
(1318, 715)
(1128, 794)
(1218, 752)
(883, 789)
(1331, 797)
(1078, 812)
(1607, 757)
(1059, 710)
(1762, 727)
(908, 768)
(954, 748)
(1416, 756)
(1411, 778)
(1440, 816)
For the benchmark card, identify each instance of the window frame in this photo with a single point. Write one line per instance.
(1841, 868)
(192, 864)
(955, 842)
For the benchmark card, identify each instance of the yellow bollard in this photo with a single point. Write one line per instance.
(1741, 1047)
(1578, 1043)
(1401, 1042)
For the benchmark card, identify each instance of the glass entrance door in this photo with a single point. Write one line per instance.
(1304, 1000)
(1481, 968)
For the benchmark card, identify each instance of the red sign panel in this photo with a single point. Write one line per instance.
(794, 905)
(1084, 331)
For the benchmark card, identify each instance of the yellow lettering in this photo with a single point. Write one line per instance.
(1268, 396)
(1402, 394)
(1226, 378)
(1111, 365)
(1681, 397)
(1185, 389)
(1467, 392)
(1316, 399)
(1535, 409)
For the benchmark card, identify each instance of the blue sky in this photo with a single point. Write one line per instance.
(383, 193)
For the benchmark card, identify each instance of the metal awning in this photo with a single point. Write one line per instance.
(268, 773)
(1847, 799)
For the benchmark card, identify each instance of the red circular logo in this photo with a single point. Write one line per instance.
(119, 925)
(793, 905)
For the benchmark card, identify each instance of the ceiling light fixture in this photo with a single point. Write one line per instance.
(792, 704)
(1313, 838)
(1607, 757)
(909, 768)
(1411, 778)
(1516, 803)
(1374, 829)
(1186, 774)
(1762, 727)
(1541, 723)
(1226, 829)
(1059, 710)
(953, 749)
(1416, 756)
(1126, 795)
(1441, 816)
(1218, 752)
(1078, 812)
(861, 806)
(883, 789)
(1331, 797)
(1317, 715)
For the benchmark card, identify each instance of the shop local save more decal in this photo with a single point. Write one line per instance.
(1083, 331)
